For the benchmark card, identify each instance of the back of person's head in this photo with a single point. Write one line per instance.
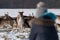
(40, 9)
(41, 4)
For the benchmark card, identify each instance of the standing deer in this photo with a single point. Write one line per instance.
(20, 21)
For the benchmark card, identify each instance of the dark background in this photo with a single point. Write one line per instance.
(28, 3)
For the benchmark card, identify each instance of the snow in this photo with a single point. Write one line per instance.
(16, 35)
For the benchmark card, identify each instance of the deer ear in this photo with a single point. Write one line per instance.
(21, 13)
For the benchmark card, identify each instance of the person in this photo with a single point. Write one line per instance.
(43, 24)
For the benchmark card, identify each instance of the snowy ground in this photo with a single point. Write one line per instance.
(16, 35)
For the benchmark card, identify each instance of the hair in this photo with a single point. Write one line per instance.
(42, 4)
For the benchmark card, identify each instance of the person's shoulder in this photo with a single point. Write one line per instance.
(50, 15)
